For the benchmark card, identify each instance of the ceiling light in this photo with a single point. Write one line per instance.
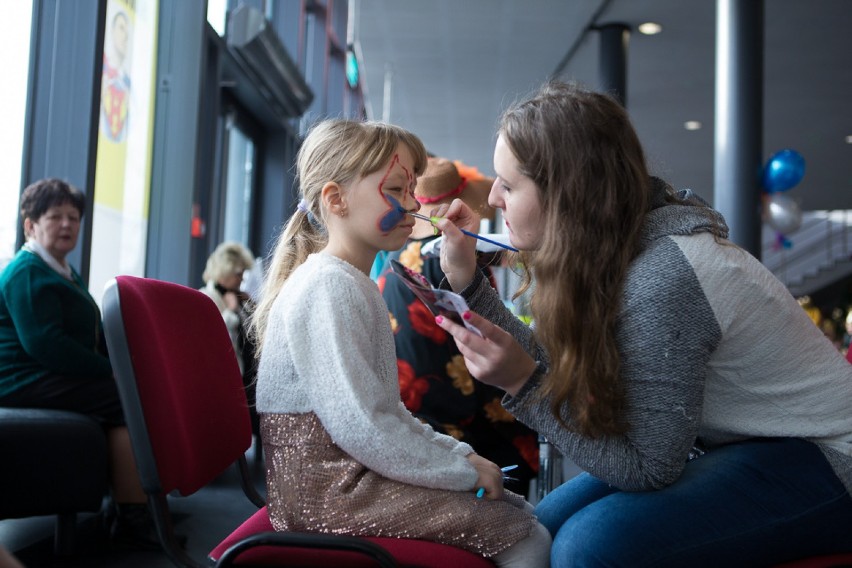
(650, 28)
(692, 125)
(849, 139)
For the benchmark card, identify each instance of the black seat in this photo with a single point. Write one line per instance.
(54, 463)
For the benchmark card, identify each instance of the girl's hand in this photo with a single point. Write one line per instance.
(490, 477)
(496, 358)
(458, 251)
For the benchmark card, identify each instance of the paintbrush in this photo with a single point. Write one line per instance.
(433, 220)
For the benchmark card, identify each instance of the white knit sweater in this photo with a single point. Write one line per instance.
(329, 350)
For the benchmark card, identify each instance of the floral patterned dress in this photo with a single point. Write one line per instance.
(435, 384)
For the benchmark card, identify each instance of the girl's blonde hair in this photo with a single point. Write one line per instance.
(335, 150)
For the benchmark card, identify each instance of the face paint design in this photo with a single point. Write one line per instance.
(393, 217)
(396, 212)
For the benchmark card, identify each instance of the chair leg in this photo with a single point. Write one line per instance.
(549, 468)
(165, 531)
(65, 534)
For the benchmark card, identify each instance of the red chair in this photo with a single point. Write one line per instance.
(833, 561)
(186, 411)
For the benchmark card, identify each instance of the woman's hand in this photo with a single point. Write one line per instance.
(458, 251)
(490, 477)
(232, 301)
(496, 358)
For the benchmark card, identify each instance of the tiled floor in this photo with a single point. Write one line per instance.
(205, 518)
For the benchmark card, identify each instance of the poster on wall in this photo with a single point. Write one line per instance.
(125, 137)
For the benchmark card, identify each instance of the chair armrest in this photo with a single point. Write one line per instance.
(303, 540)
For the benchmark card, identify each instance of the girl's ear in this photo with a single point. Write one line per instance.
(28, 227)
(333, 199)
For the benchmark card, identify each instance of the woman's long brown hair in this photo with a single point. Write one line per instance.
(584, 156)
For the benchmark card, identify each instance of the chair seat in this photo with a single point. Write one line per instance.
(54, 462)
(830, 561)
(407, 552)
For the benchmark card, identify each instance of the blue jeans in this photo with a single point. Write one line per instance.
(755, 503)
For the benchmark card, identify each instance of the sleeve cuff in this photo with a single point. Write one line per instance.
(470, 289)
(463, 449)
(531, 385)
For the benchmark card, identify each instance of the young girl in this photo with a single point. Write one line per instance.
(344, 455)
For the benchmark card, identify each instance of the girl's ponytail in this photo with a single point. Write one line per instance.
(303, 236)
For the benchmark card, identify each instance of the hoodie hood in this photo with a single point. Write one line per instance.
(679, 213)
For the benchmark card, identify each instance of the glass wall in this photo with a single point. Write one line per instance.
(183, 133)
(239, 184)
(217, 14)
(15, 45)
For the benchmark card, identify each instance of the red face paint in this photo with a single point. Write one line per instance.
(395, 213)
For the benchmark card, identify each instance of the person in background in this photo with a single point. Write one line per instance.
(433, 379)
(223, 277)
(711, 416)
(52, 347)
(344, 455)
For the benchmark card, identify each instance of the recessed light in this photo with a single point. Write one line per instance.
(849, 139)
(692, 125)
(650, 28)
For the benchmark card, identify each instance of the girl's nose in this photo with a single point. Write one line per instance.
(411, 200)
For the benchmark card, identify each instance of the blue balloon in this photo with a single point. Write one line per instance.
(783, 170)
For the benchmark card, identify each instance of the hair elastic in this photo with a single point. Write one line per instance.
(315, 223)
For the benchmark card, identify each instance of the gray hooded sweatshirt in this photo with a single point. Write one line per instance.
(712, 347)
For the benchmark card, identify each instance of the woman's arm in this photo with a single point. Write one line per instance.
(506, 354)
(666, 334)
(458, 251)
(38, 307)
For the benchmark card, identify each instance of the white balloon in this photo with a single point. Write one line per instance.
(783, 214)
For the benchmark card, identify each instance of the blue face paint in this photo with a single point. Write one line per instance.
(393, 217)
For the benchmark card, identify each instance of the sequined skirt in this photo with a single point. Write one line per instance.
(314, 486)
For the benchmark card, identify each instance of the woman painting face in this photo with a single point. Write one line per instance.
(56, 230)
(518, 197)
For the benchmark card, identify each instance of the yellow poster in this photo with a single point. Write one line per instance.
(115, 102)
(125, 136)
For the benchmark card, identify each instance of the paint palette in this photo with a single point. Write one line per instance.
(440, 302)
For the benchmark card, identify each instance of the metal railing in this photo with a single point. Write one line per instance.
(820, 251)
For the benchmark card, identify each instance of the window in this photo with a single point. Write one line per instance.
(239, 182)
(15, 45)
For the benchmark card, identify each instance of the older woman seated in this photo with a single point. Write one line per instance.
(52, 349)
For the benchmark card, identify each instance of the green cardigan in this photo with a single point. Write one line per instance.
(48, 325)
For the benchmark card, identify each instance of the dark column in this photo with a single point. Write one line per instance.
(175, 158)
(739, 118)
(613, 59)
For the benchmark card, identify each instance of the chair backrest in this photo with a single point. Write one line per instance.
(179, 383)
